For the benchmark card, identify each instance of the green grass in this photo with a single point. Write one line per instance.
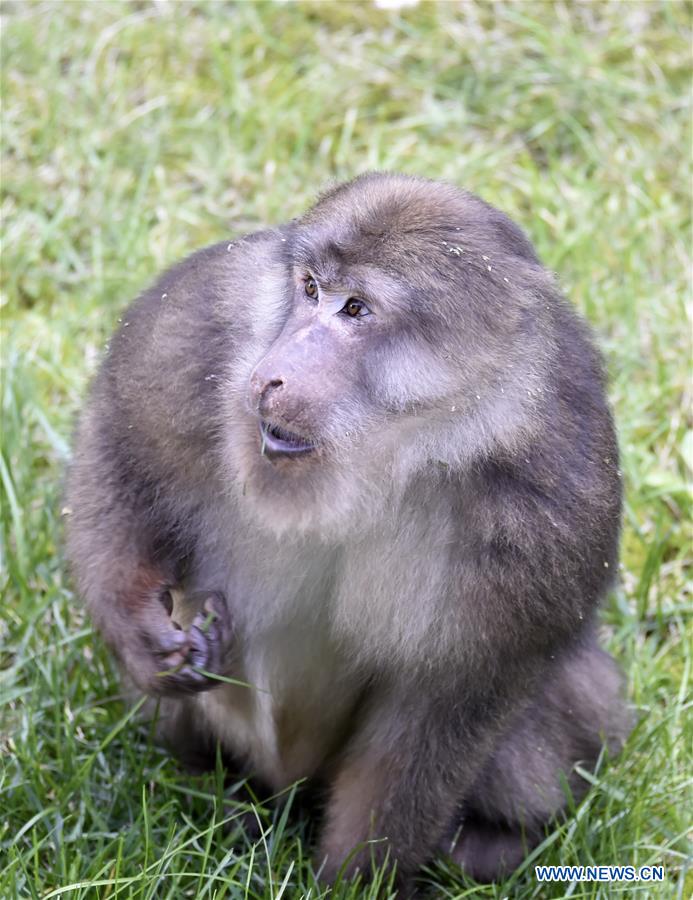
(135, 133)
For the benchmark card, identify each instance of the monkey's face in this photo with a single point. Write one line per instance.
(341, 395)
(385, 351)
(311, 386)
(312, 408)
(315, 421)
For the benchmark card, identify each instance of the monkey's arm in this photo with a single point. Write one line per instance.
(126, 587)
(143, 461)
(125, 562)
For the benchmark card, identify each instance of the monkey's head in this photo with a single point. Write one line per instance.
(404, 324)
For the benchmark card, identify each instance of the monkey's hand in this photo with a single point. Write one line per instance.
(167, 660)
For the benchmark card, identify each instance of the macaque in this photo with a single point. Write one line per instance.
(364, 464)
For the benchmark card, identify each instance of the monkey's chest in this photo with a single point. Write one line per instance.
(291, 718)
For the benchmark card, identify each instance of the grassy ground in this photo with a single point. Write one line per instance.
(134, 133)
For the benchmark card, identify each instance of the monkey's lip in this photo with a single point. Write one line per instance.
(278, 441)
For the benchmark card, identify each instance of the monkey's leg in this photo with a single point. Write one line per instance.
(576, 711)
(400, 782)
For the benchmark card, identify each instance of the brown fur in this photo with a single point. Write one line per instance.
(413, 594)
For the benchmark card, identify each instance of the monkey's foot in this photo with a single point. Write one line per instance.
(487, 852)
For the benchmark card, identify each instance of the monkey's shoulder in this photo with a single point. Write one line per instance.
(174, 338)
(197, 287)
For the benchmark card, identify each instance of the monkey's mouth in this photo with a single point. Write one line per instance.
(278, 441)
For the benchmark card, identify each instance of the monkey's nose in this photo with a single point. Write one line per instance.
(261, 390)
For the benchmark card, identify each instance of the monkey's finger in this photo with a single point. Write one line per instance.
(183, 679)
(215, 610)
(215, 602)
(210, 623)
(207, 647)
(175, 660)
(163, 641)
(183, 670)
(199, 654)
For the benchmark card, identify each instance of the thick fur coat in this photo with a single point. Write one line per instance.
(368, 458)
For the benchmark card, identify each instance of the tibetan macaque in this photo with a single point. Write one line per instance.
(364, 463)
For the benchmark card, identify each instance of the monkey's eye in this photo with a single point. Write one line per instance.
(311, 288)
(355, 308)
